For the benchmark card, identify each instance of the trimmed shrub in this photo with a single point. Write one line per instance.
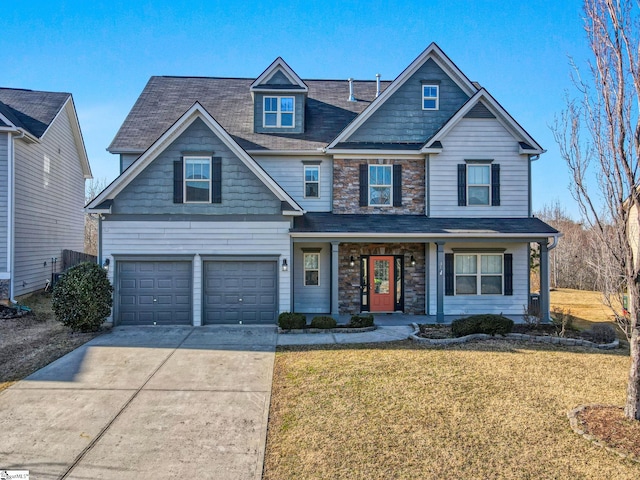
(487, 323)
(361, 321)
(601, 333)
(81, 298)
(288, 320)
(323, 322)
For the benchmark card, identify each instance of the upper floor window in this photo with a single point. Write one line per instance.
(312, 181)
(478, 274)
(430, 97)
(278, 112)
(479, 184)
(380, 185)
(197, 179)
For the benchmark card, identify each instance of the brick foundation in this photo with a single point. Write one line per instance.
(349, 277)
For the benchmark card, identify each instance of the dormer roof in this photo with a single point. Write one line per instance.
(279, 77)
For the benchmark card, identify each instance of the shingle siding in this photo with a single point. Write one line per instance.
(49, 201)
(4, 180)
(402, 119)
(151, 191)
(126, 159)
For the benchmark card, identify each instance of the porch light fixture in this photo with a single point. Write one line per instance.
(285, 266)
(352, 261)
(413, 261)
(106, 264)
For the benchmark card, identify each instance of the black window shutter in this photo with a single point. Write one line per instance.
(495, 184)
(397, 185)
(462, 184)
(364, 185)
(448, 273)
(508, 274)
(216, 180)
(178, 181)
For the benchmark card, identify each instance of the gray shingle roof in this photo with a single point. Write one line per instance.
(418, 224)
(31, 109)
(229, 101)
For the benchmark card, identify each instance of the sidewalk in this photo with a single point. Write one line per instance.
(381, 334)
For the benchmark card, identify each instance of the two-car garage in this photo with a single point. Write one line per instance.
(161, 291)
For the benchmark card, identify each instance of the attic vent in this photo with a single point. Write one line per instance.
(352, 98)
(479, 111)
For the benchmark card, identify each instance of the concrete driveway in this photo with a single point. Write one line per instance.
(147, 402)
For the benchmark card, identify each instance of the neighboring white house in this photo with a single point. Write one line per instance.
(242, 198)
(43, 168)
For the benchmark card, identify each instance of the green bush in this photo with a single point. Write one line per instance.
(361, 321)
(81, 298)
(487, 323)
(288, 320)
(601, 333)
(323, 322)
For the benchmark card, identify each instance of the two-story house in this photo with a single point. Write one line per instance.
(43, 168)
(242, 198)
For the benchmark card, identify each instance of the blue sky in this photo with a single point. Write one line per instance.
(103, 52)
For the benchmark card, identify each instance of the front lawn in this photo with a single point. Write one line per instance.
(493, 409)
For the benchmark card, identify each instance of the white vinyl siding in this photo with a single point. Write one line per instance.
(288, 172)
(479, 138)
(472, 304)
(201, 238)
(4, 180)
(49, 204)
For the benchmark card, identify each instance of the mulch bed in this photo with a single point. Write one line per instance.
(8, 312)
(609, 425)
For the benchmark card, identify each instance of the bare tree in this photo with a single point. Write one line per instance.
(599, 133)
(92, 189)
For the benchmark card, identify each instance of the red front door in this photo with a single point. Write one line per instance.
(381, 284)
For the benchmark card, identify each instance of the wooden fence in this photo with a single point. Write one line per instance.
(71, 258)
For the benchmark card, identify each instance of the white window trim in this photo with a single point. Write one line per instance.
(305, 269)
(185, 179)
(278, 112)
(390, 167)
(437, 97)
(489, 203)
(304, 179)
(478, 275)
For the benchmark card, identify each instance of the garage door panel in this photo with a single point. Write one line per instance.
(225, 283)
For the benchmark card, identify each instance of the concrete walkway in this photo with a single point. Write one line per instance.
(143, 403)
(381, 334)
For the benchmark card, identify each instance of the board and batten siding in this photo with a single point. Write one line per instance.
(151, 191)
(4, 201)
(312, 298)
(479, 139)
(475, 304)
(201, 238)
(49, 202)
(288, 172)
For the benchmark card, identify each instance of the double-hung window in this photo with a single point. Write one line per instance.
(311, 181)
(478, 185)
(279, 112)
(430, 99)
(197, 179)
(311, 269)
(478, 274)
(380, 185)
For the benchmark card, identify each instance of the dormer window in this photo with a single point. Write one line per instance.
(279, 112)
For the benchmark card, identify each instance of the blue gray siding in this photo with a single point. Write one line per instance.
(258, 109)
(4, 180)
(151, 192)
(312, 299)
(127, 159)
(278, 78)
(401, 118)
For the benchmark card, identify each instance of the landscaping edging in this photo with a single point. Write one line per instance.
(328, 330)
(577, 428)
(573, 342)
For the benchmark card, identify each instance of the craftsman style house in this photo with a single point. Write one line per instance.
(43, 167)
(242, 198)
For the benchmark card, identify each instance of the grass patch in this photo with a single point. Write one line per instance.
(493, 409)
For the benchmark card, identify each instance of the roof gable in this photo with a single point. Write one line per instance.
(433, 53)
(31, 110)
(197, 111)
(279, 76)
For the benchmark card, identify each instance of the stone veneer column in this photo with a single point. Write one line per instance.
(544, 282)
(335, 310)
(440, 282)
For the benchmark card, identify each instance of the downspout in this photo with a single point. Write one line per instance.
(11, 212)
